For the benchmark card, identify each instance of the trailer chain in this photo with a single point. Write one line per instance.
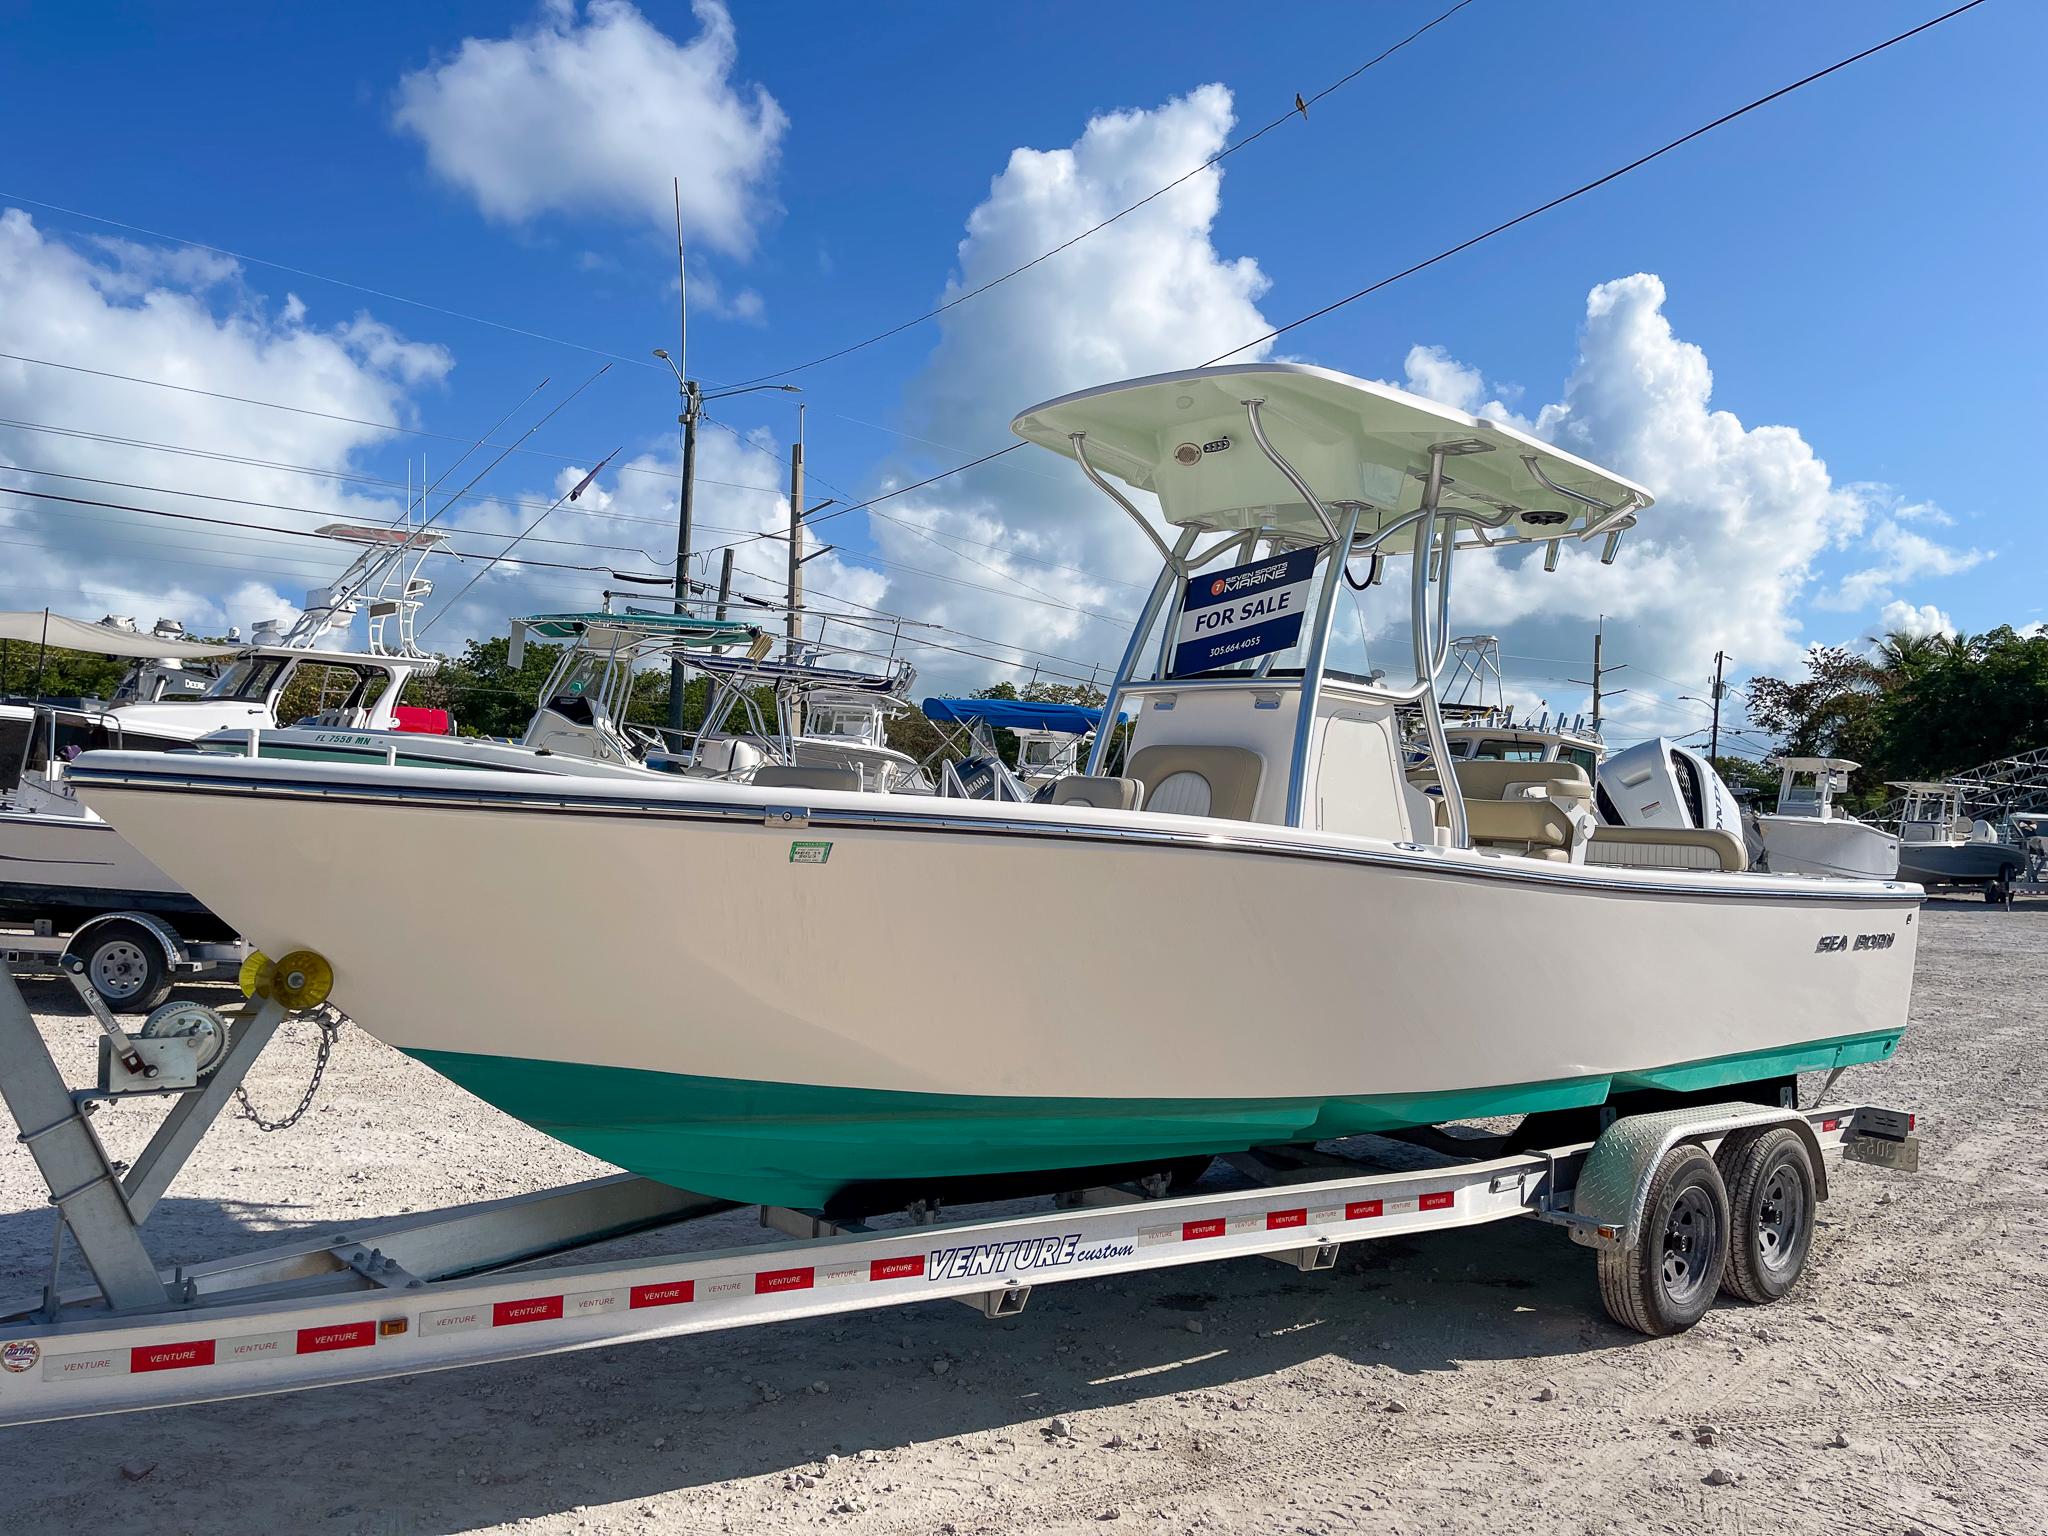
(329, 1019)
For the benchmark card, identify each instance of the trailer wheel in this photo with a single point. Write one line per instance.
(1667, 1280)
(126, 966)
(1772, 1197)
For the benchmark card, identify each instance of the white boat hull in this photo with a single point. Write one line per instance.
(787, 1005)
(66, 868)
(1836, 845)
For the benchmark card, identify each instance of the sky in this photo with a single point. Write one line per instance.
(380, 229)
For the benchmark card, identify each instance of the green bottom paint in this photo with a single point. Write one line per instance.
(798, 1144)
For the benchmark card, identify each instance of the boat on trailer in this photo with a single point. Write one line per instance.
(1268, 934)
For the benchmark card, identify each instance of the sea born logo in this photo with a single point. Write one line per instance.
(20, 1355)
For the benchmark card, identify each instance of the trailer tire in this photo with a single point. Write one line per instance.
(1665, 1281)
(1773, 1196)
(126, 965)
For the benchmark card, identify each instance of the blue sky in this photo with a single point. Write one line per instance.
(1853, 264)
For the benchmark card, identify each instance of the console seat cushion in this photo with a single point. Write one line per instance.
(793, 776)
(1540, 828)
(1103, 792)
(1707, 848)
(1487, 780)
(1199, 781)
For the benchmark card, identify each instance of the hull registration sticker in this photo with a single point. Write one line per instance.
(809, 853)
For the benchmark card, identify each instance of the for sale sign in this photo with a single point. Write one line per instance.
(1227, 616)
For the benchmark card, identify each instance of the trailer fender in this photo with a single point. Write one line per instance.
(171, 941)
(1607, 1204)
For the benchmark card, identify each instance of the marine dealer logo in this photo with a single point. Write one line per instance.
(20, 1355)
(979, 1259)
(1243, 579)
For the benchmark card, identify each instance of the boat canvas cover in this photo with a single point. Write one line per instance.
(1015, 714)
(39, 627)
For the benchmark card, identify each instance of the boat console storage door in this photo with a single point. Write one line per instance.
(1285, 482)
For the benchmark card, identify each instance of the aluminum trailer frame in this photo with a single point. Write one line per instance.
(360, 1301)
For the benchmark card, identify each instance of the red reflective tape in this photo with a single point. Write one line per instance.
(897, 1269)
(673, 1294)
(1359, 1210)
(170, 1357)
(313, 1341)
(1215, 1226)
(1277, 1219)
(769, 1280)
(535, 1309)
(1438, 1200)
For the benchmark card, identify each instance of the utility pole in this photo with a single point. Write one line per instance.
(724, 583)
(1714, 740)
(1597, 682)
(686, 497)
(795, 594)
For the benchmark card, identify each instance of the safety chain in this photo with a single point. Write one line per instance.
(330, 1020)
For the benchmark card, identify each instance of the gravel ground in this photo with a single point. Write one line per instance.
(1463, 1382)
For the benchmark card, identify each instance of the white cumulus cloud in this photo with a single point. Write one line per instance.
(1901, 556)
(1903, 618)
(595, 111)
(119, 307)
(1148, 293)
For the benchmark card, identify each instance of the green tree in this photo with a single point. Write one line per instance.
(1916, 707)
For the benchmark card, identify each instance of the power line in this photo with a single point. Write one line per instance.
(1601, 181)
(354, 477)
(1299, 108)
(358, 421)
(1465, 245)
(321, 277)
(303, 533)
(279, 506)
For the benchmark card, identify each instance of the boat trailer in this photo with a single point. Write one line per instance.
(1678, 1205)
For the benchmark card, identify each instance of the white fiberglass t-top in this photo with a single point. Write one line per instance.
(1368, 472)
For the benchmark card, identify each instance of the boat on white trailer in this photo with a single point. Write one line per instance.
(64, 870)
(1365, 967)
(1808, 834)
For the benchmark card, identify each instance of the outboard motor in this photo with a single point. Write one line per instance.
(1659, 783)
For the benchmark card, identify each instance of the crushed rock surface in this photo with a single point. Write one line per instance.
(1903, 1385)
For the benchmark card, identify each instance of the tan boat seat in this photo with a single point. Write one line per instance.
(1538, 828)
(1488, 780)
(1103, 792)
(1702, 848)
(1198, 781)
(796, 776)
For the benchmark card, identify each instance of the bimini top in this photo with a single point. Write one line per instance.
(40, 627)
(1818, 764)
(1186, 437)
(1016, 714)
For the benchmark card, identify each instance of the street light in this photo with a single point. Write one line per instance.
(693, 398)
